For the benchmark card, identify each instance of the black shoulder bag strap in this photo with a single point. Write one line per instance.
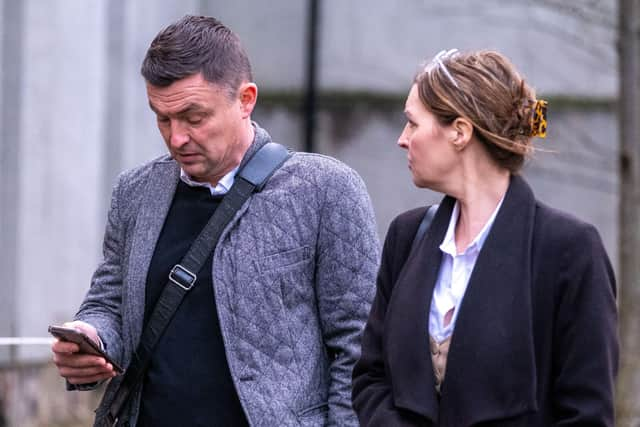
(424, 226)
(252, 177)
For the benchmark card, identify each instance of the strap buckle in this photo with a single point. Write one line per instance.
(182, 277)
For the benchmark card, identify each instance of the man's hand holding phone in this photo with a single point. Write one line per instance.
(78, 362)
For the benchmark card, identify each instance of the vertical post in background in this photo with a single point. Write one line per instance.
(114, 109)
(11, 38)
(311, 76)
(628, 387)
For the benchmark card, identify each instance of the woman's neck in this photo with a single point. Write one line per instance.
(478, 195)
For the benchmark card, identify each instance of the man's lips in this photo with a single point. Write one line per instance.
(187, 156)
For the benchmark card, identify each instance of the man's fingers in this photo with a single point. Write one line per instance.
(80, 368)
(91, 379)
(78, 360)
(83, 368)
(87, 372)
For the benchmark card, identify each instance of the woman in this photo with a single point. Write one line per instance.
(504, 313)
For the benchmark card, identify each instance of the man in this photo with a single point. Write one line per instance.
(270, 332)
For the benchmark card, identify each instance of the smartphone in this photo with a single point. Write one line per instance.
(85, 343)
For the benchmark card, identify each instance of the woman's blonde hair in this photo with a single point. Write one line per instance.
(485, 88)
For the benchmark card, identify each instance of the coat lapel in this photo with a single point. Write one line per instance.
(223, 272)
(155, 206)
(261, 137)
(491, 372)
(406, 332)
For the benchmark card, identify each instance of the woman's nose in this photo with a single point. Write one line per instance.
(403, 141)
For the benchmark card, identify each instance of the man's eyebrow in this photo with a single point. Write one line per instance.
(186, 110)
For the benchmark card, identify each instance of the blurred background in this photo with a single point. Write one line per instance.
(333, 76)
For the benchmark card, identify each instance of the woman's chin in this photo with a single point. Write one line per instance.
(418, 181)
(426, 184)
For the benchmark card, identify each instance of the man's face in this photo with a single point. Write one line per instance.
(206, 130)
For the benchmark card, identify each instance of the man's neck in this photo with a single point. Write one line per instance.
(236, 156)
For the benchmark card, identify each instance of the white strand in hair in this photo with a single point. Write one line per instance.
(437, 61)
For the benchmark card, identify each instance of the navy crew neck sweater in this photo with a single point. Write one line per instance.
(188, 381)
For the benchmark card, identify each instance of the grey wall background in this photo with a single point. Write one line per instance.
(73, 113)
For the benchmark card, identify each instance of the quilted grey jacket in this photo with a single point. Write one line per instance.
(293, 276)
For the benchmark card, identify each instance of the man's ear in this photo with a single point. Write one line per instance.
(248, 95)
(462, 130)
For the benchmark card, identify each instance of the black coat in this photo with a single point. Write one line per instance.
(535, 341)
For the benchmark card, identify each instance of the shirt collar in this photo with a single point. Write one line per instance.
(221, 188)
(448, 244)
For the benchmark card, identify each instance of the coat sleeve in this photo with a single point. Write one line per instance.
(101, 305)
(585, 353)
(372, 393)
(346, 263)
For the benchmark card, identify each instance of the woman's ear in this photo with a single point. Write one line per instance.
(462, 130)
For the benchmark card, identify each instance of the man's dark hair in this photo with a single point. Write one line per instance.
(197, 44)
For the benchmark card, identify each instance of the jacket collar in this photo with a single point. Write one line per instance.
(491, 372)
(260, 138)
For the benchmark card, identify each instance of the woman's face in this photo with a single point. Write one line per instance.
(431, 154)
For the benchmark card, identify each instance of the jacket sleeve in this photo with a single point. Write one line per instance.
(372, 393)
(347, 259)
(585, 360)
(101, 305)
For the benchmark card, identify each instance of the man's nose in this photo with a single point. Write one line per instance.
(179, 135)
